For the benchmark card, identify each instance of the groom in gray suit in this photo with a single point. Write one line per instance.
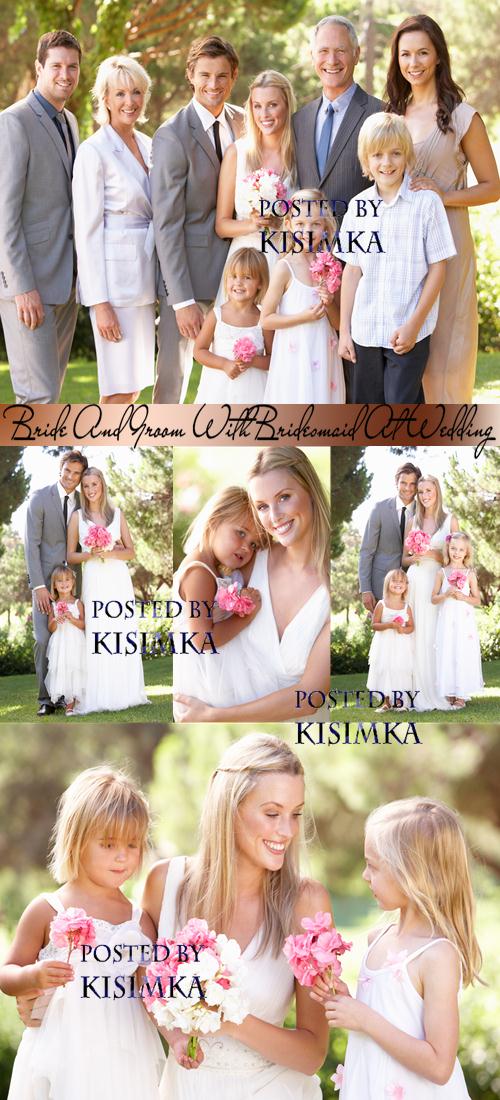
(49, 512)
(187, 154)
(382, 545)
(37, 302)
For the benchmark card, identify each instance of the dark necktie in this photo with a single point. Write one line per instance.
(65, 510)
(402, 524)
(324, 140)
(218, 146)
(66, 135)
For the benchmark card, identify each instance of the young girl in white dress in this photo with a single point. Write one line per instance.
(220, 550)
(227, 376)
(458, 653)
(391, 652)
(305, 365)
(403, 1023)
(88, 1045)
(66, 648)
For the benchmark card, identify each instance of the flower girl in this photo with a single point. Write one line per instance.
(305, 365)
(89, 1044)
(231, 345)
(458, 654)
(66, 648)
(403, 1023)
(391, 652)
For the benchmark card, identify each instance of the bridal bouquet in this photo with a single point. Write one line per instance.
(230, 599)
(262, 186)
(326, 269)
(315, 952)
(457, 578)
(98, 538)
(198, 994)
(244, 349)
(72, 929)
(418, 542)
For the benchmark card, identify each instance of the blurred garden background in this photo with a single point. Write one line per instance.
(266, 36)
(140, 483)
(460, 765)
(471, 491)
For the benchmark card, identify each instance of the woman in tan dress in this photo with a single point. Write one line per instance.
(448, 134)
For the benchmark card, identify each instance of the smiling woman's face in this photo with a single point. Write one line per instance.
(283, 506)
(268, 820)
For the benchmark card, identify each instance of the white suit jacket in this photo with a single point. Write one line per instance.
(113, 222)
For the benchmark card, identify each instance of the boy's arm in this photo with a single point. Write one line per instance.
(350, 280)
(404, 338)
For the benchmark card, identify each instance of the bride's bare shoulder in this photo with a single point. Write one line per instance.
(312, 898)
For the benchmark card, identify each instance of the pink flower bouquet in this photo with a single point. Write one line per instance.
(61, 607)
(98, 538)
(262, 186)
(399, 620)
(72, 929)
(230, 599)
(457, 578)
(326, 269)
(315, 953)
(208, 970)
(418, 542)
(244, 349)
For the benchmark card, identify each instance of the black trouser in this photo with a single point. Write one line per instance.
(379, 375)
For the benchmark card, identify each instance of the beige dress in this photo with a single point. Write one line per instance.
(451, 367)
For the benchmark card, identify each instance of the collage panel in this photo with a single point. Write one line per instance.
(86, 552)
(209, 822)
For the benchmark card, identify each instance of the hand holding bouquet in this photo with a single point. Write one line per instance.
(315, 953)
(72, 929)
(244, 349)
(418, 542)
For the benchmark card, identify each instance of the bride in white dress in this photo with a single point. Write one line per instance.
(431, 518)
(254, 800)
(286, 648)
(114, 677)
(268, 143)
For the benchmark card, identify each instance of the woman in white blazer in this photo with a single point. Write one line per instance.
(114, 232)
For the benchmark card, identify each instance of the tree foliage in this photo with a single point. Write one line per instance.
(14, 483)
(146, 500)
(476, 499)
(350, 487)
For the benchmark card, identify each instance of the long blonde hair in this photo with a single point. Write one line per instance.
(302, 470)
(209, 887)
(100, 801)
(270, 79)
(231, 503)
(106, 506)
(439, 512)
(422, 843)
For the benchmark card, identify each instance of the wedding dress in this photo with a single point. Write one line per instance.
(421, 578)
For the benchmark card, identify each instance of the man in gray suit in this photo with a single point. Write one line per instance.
(187, 153)
(326, 130)
(37, 303)
(49, 512)
(382, 545)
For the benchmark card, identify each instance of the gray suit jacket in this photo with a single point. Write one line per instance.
(45, 536)
(184, 179)
(381, 548)
(36, 223)
(342, 178)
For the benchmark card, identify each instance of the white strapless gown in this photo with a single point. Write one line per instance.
(230, 1070)
(421, 580)
(115, 679)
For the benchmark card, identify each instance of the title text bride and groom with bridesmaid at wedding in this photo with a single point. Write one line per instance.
(419, 586)
(199, 202)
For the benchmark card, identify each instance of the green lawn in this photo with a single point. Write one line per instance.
(485, 708)
(80, 386)
(18, 696)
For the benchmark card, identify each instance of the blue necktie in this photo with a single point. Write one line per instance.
(324, 141)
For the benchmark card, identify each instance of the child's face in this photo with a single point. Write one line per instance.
(397, 587)
(309, 221)
(381, 881)
(388, 166)
(110, 861)
(234, 542)
(64, 586)
(242, 287)
(457, 550)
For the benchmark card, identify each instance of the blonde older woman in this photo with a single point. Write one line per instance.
(268, 143)
(114, 232)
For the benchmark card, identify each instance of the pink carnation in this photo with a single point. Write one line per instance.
(230, 599)
(71, 929)
(315, 952)
(61, 607)
(325, 268)
(244, 349)
(399, 620)
(98, 538)
(418, 542)
(457, 578)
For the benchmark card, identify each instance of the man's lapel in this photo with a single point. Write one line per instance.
(308, 139)
(53, 133)
(58, 509)
(350, 120)
(200, 135)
